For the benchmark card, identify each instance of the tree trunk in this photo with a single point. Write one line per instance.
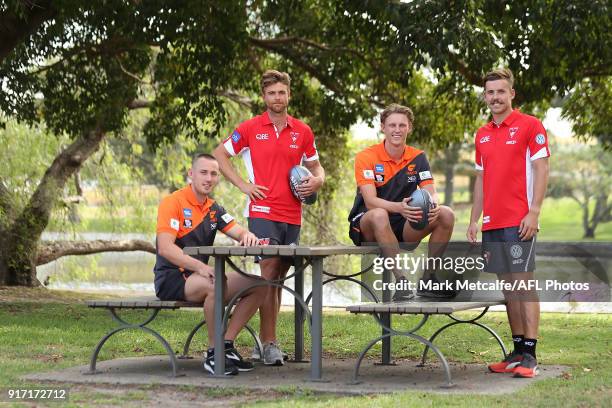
(19, 250)
(589, 232)
(451, 157)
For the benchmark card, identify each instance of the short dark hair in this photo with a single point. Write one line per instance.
(497, 74)
(202, 156)
(396, 108)
(272, 76)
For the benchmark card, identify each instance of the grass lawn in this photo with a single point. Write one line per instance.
(38, 335)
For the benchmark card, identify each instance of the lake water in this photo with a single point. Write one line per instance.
(131, 274)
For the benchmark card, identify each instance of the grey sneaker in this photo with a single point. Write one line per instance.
(272, 355)
(256, 355)
(403, 294)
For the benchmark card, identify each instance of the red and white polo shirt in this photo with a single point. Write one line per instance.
(505, 153)
(268, 156)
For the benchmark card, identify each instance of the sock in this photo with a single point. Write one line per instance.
(229, 344)
(529, 346)
(517, 339)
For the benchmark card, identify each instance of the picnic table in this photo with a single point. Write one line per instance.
(303, 256)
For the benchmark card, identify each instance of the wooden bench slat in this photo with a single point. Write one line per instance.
(141, 303)
(417, 307)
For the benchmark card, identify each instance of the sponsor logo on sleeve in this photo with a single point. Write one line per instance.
(187, 224)
(379, 168)
(227, 218)
(380, 178)
(235, 136)
(486, 219)
(187, 212)
(425, 175)
(485, 139)
(368, 174)
(540, 139)
(174, 224)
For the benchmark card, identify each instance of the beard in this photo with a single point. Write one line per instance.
(278, 108)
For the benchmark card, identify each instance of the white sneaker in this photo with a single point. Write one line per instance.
(273, 355)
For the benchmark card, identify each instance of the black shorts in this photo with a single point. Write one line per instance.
(274, 233)
(504, 251)
(397, 225)
(170, 284)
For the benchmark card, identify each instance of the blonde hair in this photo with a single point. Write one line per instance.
(272, 76)
(396, 108)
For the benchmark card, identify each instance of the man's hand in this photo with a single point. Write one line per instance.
(412, 214)
(433, 213)
(248, 239)
(472, 232)
(311, 184)
(254, 191)
(529, 226)
(207, 272)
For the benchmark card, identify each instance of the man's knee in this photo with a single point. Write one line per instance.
(376, 218)
(446, 219)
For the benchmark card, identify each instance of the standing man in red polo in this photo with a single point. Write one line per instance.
(270, 145)
(512, 173)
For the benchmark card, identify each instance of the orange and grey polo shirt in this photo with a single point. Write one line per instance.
(394, 180)
(192, 223)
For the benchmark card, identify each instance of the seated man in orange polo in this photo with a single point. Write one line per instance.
(387, 174)
(190, 217)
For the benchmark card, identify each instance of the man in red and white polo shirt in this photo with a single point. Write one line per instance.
(512, 173)
(270, 145)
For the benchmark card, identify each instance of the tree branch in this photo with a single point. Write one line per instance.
(236, 97)
(51, 250)
(139, 104)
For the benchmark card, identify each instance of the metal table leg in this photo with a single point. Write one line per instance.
(299, 312)
(386, 317)
(317, 316)
(219, 311)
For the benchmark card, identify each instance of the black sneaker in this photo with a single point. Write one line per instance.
(209, 364)
(402, 295)
(434, 291)
(242, 365)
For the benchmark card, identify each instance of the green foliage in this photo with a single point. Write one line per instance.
(589, 107)
(25, 155)
(584, 174)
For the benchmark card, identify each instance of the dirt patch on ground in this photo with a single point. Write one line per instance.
(163, 396)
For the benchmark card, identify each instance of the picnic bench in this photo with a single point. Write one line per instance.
(427, 308)
(155, 306)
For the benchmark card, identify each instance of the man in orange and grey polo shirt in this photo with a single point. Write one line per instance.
(387, 174)
(190, 217)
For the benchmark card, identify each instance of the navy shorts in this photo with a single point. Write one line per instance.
(274, 233)
(504, 251)
(170, 284)
(397, 225)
